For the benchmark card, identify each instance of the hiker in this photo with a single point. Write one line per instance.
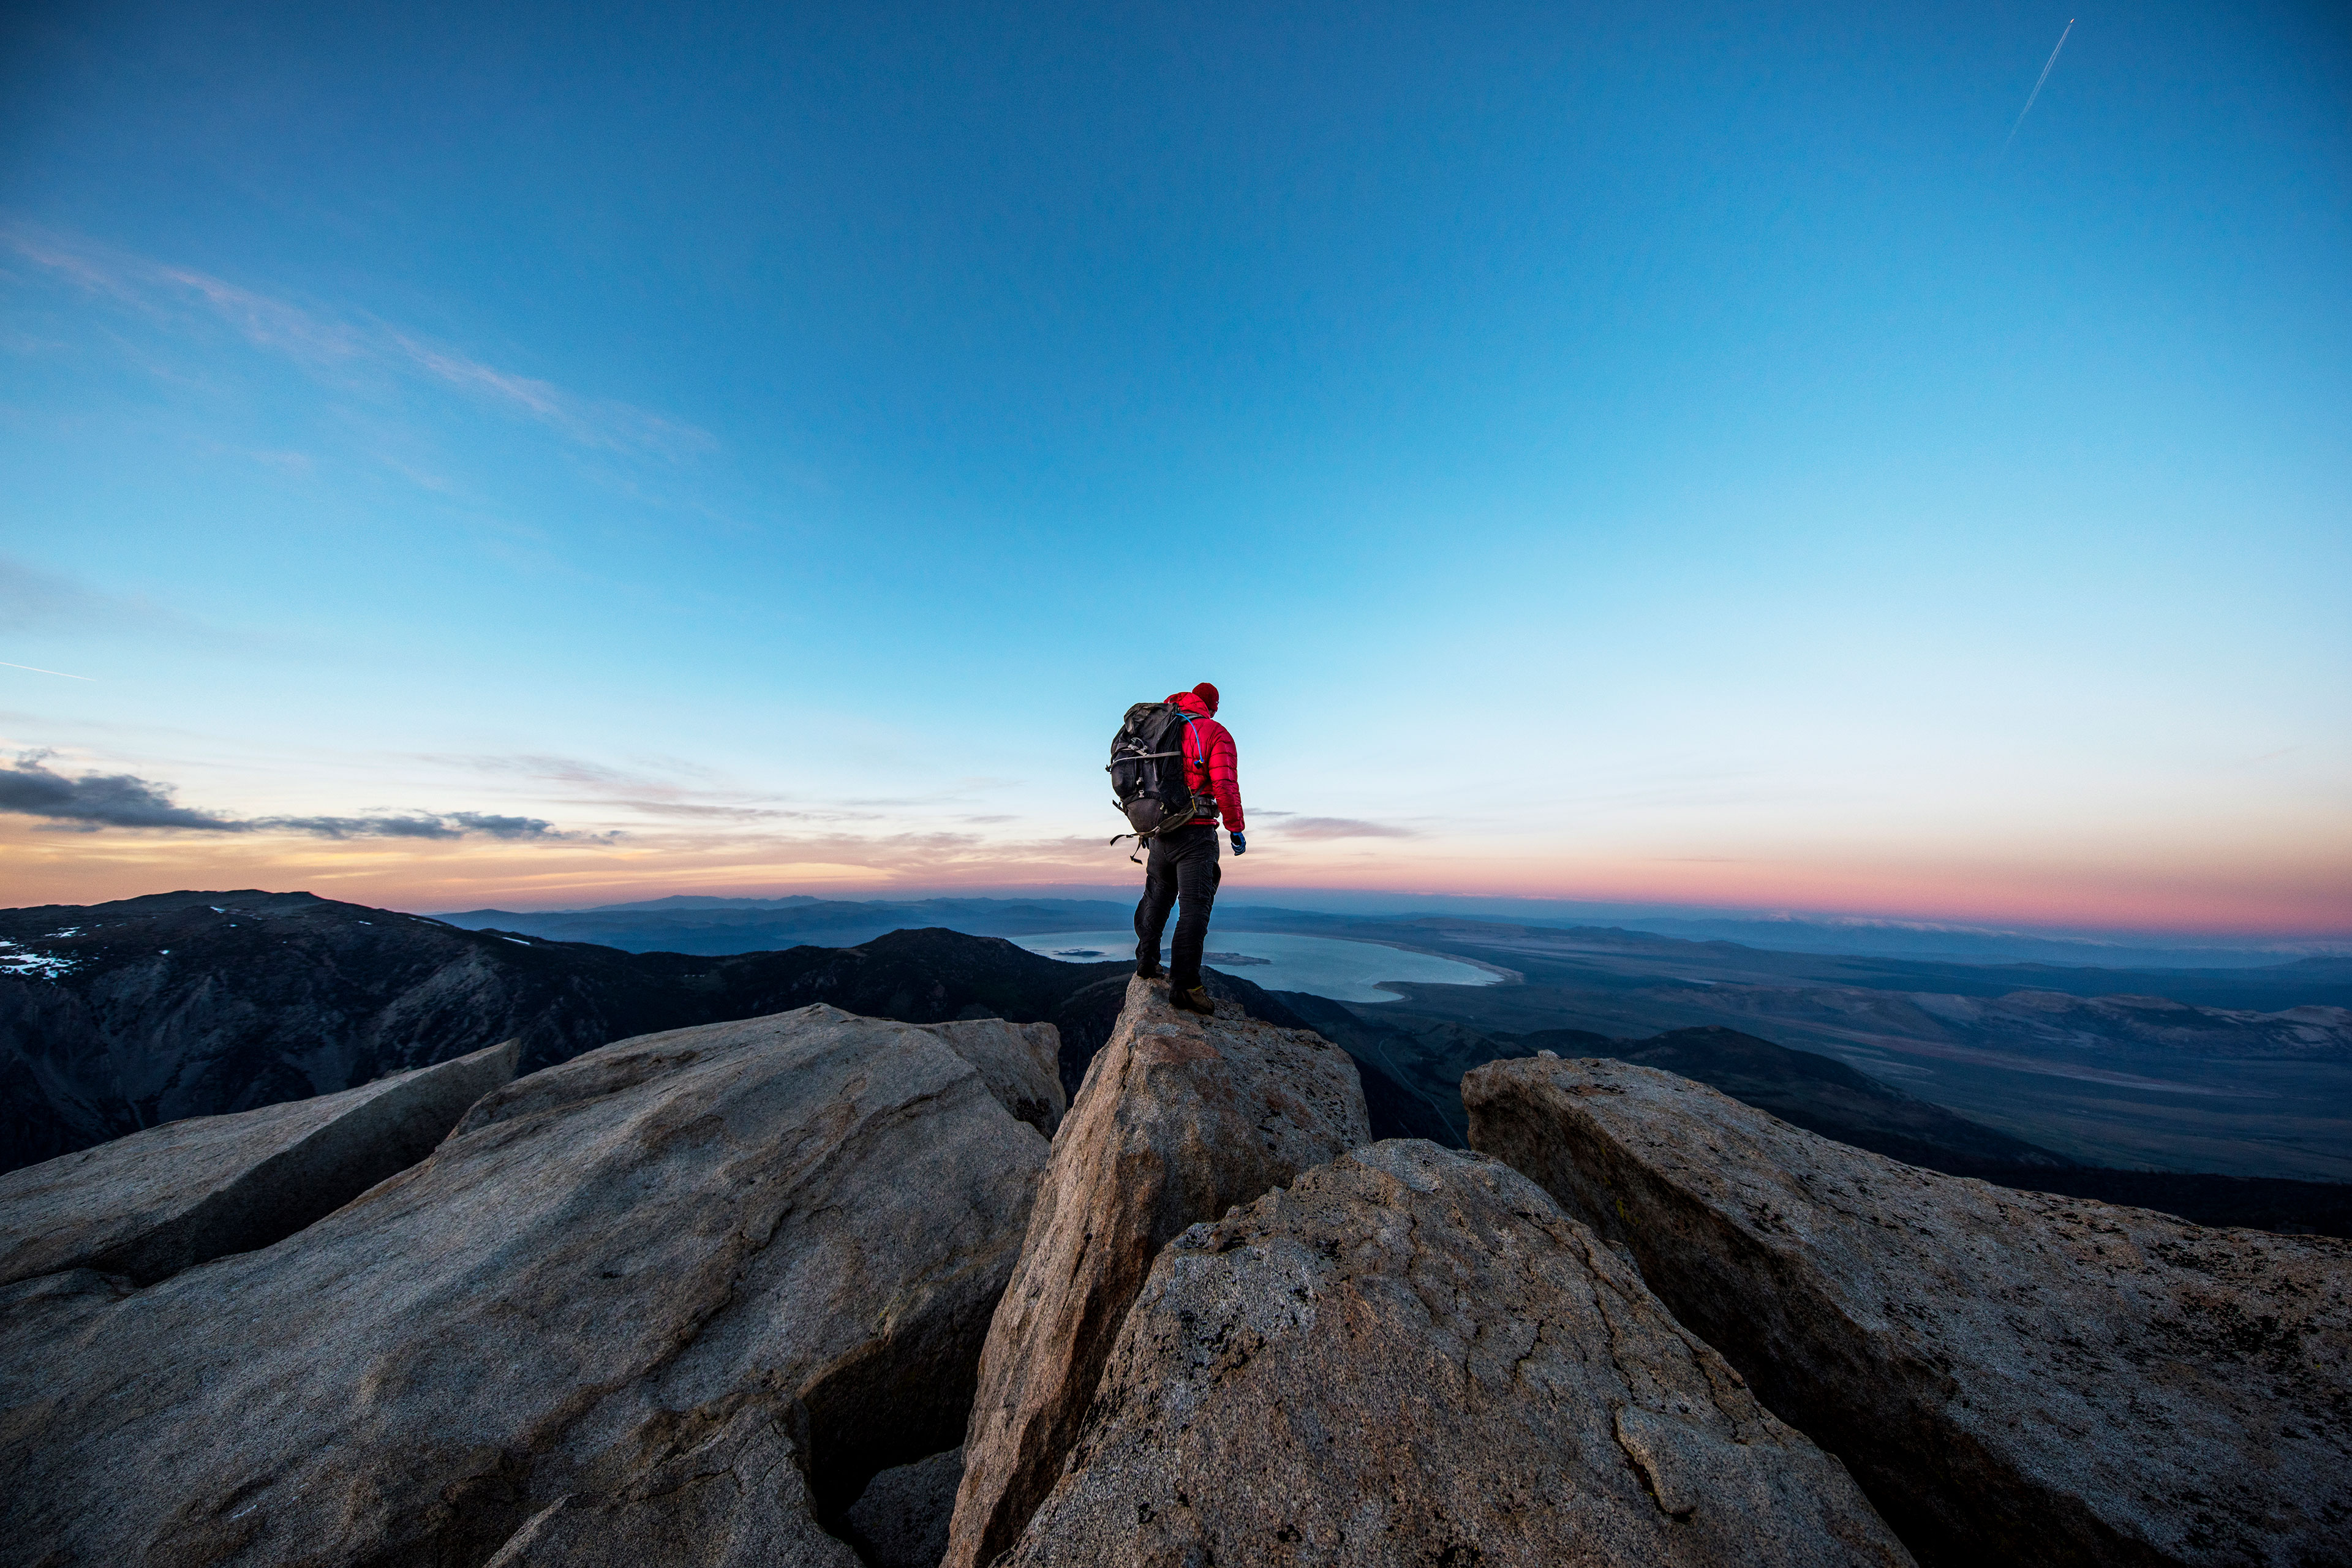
(1183, 862)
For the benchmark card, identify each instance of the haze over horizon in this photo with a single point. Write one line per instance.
(556, 457)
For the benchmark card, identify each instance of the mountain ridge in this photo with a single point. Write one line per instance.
(265, 997)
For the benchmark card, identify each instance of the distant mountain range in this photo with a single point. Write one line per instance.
(121, 1015)
(2246, 1070)
(1958, 944)
(696, 924)
(1786, 949)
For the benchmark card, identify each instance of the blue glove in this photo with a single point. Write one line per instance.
(1241, 845)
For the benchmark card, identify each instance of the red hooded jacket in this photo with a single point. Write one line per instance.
(1208, 765)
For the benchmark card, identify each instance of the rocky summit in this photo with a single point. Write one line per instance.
(2014, 1377)
(818, 1289)
(1179, 1118)
(1414, 1356)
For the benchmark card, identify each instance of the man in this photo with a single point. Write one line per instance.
(1183, 860)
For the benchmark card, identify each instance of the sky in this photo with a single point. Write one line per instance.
(534, 456)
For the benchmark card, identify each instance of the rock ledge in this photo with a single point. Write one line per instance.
(149, 1205)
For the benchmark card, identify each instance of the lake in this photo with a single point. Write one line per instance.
(1319, 965)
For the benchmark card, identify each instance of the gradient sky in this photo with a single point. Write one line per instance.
(542, 455)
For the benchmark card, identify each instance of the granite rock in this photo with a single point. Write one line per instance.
(1180, 1118)
(1413, 1356)
(1018, 1061)
(900, 1520)
(2012, 1376)
(152, 1204)
(672, 1302)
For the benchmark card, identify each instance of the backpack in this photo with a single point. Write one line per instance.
(1147, 772)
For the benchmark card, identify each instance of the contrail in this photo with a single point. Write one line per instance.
(2037, 91)
(37, 669)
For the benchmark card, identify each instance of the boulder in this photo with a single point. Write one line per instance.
(150, 1204)
(1180, 1118)
(2012, 1377)
(672, 1302)
(900, 1520)
(1413, 1356)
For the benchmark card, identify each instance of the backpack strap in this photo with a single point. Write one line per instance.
(1199, 799)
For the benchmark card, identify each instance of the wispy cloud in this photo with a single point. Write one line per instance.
(657, 778)
(91, 802)
(34, 599)
(334, 347)
(654, 789)
(605, 423)
(1296, 827)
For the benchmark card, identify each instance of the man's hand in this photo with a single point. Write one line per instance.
(1241, 844)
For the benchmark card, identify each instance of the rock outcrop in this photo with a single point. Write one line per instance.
(156, 1202)
(673, 1301)
(1089, 1018)
(2012, 1377)
(1180, 1118)
(1413, 1356)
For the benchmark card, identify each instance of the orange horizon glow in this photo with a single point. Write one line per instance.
(2305, 901)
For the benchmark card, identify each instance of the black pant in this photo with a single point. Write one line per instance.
(1183, 865)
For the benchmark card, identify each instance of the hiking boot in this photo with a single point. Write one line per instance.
(1150, 972)
(1196, 1000)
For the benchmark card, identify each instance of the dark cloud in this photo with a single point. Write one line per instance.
(503, 827)
(94, 801)
(410, 825)
(423, 825)
(102, 800)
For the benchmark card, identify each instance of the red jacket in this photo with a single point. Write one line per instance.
(1208, 765)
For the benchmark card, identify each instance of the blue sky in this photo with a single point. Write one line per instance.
(1614, 456)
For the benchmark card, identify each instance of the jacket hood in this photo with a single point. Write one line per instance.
(1191, 703)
